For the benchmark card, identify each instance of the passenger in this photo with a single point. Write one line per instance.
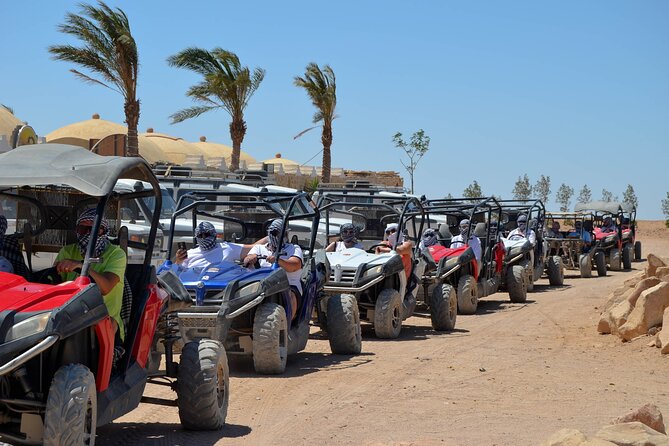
(208, 251)
(402, 247)
(554, 231)
(11, 252)
(461, 239)
(608, 225)
(348, 234)
(580, 232)
(522, 231)
(428, 239)
(108, 274)
(290, 259)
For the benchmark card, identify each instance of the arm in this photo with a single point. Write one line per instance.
(105, 280)
(405, 248)
(331, 247)
(290, 264)
(247, 248)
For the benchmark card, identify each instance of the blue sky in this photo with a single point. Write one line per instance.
(575, 90)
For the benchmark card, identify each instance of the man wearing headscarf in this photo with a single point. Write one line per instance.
(348, 234)
(108, 273)
(290, 259)
(393, 239)
(429, 238)
(579, 231)
(467, 237)
(522, 231)
(208, 250)
(10, 252)
(608, 225)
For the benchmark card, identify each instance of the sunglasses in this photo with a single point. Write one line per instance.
(348, 231)
(391, 231)
(274, 232)
(83, 230)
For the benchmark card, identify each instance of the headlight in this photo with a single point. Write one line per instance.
(373, 271)
(248, 290)
(32, 325)
(610, 238)
(450, 262)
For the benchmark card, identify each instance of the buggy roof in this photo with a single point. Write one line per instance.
(612, 207)
(61, 164)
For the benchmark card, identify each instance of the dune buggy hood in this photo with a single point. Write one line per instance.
(16, 294)
(81, 169)
(220, 275)
(353, 257)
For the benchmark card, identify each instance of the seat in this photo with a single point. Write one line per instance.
(444, 235)
(123, 239)
(10, 250)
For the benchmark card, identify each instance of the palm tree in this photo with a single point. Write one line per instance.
(321, 88)
(109, 51)
(226, 85)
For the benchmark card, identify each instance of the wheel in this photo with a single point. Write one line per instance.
(71, 408)
(585, 265)
(388, 314)
(443, 307)
(627, 256)
(343, 325)
(555, 271)
(516, 283)
(614, 259)
(637, 250)
(203, 385)
(600, 264)
(270, 339)
(530, 277)
(468, 300)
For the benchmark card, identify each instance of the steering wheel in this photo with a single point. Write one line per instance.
(372, 249)
(49, 276)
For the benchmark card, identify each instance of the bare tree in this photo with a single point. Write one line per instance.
(415, 149)
(473, 190)
(606, 195)
(629, 196)
(665, 208)
(542, 189)
(585, 195)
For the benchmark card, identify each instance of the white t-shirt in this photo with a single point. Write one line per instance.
(341, 246)
(290, 251)
(474, 243)
(223, 252)
(517, 235)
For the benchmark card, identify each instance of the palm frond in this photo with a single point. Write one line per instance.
(305, 131)
(91, 80)
(8, 108)
(188, 113)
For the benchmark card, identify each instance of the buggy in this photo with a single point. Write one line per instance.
(59, 375)
(249, 310)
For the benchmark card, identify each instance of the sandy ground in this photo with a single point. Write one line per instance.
(510, 375)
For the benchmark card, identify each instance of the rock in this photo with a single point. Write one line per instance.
(652, 331)
(597, 442)
(647, 312)
(647, 414)
(632, 281)
(565, 437)
(654, 262)
(652, 343)
(663, 336)
(632, 434)
(662, 272)
(617, 315)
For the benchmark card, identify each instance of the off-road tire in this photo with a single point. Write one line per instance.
(530, 276)
(614, 259)
(516, 283)
(443, 307)
(343, 325)
(555, 271)
(627, 256)
(468, 299)
(270, 339)
(585, 265)
(388, 314)
(71, 408)
(600, 263)
(637, 251)
(203, 385)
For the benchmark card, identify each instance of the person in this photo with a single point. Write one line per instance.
(208, 251)
(554, 231)
(348, 234)
(429, 238)
(290, 259)
(608, 225)
(522, 231)
(461, 239)
(108, 273)
(402, 246)
(579, 231)
(10, 252)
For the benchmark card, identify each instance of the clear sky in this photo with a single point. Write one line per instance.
(577, 90)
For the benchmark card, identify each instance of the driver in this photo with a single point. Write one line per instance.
(579, 231)
(108, 273)
(208, 251)
(348, 234)
(10, 252)
(290, 259)
(522, 231)
(608, 225)
(404, 247)
(554, 231)
(473, 241)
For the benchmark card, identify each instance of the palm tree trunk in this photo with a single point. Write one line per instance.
(326, 139)
(237, 132)
(132, 119)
